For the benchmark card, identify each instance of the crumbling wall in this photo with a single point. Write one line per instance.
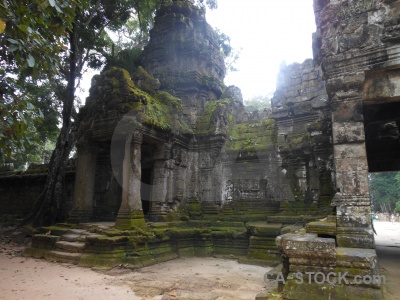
(19, 190)
(301, 108)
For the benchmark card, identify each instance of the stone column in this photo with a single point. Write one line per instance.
(130, 213)
(352, 199)
(162, 189)
(82, 209)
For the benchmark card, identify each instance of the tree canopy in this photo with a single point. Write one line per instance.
(385, 191)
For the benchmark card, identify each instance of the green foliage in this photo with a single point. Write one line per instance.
(397, 206)
(230, 54)
(17, 114)
(385, 191)
(258, 103)
(124, 59)
(32, 43)
(28, 126)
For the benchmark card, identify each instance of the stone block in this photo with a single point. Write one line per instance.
(330, 262)
(355, 150)
(264, 229)
(308, 246)
(351, 200)
(70, 246)
(44, 241)
(347, 132)
(355, 241)
(346, 111)
(356, 258)
(353, 182)
(328, 228)
(351, 164)
(353, 216)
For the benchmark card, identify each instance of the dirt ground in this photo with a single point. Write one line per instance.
(189, 278)
(387, 243)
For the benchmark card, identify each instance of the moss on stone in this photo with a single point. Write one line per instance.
(264, 228)
(259, 136)
(115, 89)
(262, 254)
(35, 252)
(103, 261)
(206, 124)
(135, 219)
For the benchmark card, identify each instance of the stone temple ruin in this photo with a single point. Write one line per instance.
(171, 156)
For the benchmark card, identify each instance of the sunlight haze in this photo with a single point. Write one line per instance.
(268, 32)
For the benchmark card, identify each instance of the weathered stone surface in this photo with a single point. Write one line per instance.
(347, 132)
(356, 258)
(70, 246)
(264, 229)
(308, 246)
(324, 228)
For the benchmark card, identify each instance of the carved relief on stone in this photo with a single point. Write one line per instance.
(228, 191)
(347, 27)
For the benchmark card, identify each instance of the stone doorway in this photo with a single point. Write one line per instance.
(147, 171)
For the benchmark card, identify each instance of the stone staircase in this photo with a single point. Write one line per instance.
(74, 246)
(59, 245)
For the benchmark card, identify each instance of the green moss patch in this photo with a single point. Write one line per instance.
(259, 136)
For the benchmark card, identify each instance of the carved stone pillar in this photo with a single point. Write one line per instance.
(162, 189)
(352, 199)
(130, 213)
(82, 210)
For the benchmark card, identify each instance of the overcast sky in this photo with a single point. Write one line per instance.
(268, 32)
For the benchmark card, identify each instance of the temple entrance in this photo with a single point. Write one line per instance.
(382, 141)
(145, 191)
(147, 166)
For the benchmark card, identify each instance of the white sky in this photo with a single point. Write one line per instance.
(269, 32)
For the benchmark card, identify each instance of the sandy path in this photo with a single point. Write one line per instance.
(189, 278)
(197, 278)
(388, 250)
(26, 278)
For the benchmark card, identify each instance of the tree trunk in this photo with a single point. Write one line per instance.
(47, 208)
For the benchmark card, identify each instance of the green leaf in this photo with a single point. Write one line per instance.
(12, 48)
(13, 41)
(29, 106)
(52, 3)
(31, 61)
(23, 28)
(58, 8)
(44, 4)
(2, 26)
